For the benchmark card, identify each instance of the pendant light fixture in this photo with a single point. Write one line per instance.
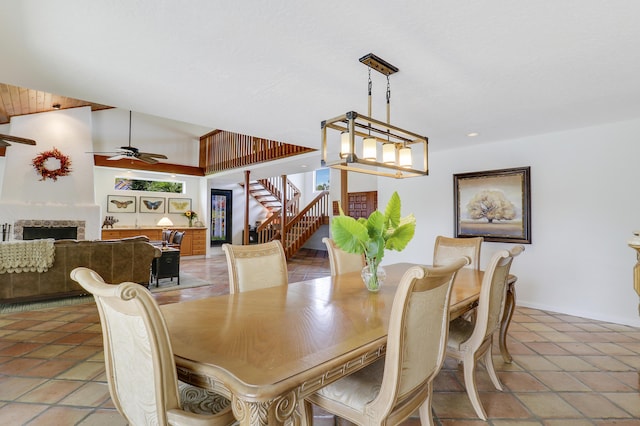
(402, 154)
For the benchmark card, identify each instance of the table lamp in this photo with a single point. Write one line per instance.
(165, 223)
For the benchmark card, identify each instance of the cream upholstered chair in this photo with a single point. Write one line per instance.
(342, 262)
(256, 266)
(389, 390)
(469, 341)
(140, 368)
(450, 248)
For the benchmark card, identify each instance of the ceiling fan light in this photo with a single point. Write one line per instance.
(369, 148)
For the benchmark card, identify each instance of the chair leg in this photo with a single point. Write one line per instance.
(306, 414)
(488, 363)
(426, 416)
(470, 385)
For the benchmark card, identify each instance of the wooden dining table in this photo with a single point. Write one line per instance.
(267, 349)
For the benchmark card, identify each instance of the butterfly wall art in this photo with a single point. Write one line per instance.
(179, 205)
(121, 204)
(151, 205)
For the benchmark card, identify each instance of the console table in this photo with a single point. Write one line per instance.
(194, 242)
(166, 266)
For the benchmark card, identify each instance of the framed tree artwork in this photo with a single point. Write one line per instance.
(494, 204)
(221, 216)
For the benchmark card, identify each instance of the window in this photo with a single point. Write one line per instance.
(129, 184)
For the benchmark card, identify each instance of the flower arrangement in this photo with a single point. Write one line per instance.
(39, 163)
(190, 215)
(373, 235)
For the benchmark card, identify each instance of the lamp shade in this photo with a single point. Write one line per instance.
(388, 153)
(369, 150)
(404, 157)
(345, 145)
(165, 221)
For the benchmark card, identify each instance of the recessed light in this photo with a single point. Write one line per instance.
(304, 166)
(473, 134)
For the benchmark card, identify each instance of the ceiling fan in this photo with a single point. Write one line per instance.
(5, 139)
(133, 152)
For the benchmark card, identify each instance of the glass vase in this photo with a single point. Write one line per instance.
(373, 277)
(190, 223)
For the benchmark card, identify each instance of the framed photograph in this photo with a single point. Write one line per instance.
(494, 204)
(121, 204)
(152, 204)
(179, 205)
(221, 216)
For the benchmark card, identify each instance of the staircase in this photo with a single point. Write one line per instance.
(300, 224)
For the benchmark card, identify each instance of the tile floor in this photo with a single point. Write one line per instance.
(567, 371)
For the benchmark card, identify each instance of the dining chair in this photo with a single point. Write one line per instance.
(450, 248)
(469, 341)
(176, 239)
(340, 261)
(256, 266)
(139, 363)
(167, 234)
(391, 389)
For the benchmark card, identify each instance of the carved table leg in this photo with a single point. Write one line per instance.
(273, 412)
(509, 307)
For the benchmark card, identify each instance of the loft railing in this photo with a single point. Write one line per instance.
(221, 150)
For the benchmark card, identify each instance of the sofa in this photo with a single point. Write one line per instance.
(116, 261)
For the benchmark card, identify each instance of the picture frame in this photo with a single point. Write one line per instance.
(508, 191)
(121, 204)
(152, 204)
(221, 219)
(178, 205)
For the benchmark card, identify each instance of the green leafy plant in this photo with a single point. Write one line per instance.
(373, 235)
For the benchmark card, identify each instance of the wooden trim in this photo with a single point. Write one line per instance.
(3, 151)
(101, 160)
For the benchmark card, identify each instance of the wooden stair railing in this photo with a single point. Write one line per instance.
(221, 150)
(299, 228)
(302, 226)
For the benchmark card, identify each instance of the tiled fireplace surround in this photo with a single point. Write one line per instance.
(19, 225)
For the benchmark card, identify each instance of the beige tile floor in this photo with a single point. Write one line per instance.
(567, 371)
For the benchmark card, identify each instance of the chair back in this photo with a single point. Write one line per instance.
(416, 342)
(177, 238)
(139, 360)
(256, 266)
(166, 235)
(447, 248)
(342, 262)
(492, 295)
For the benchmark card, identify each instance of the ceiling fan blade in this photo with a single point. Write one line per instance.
(117, 157)
(146, 159)
(150, 154)
(17, 139)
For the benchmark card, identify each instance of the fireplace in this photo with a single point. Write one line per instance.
(56, 229)
(57, 233)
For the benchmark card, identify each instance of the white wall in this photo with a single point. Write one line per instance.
(24, 196)
(104, 186)
(584, 209)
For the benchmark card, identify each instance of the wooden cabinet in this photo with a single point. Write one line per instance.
(194, 242)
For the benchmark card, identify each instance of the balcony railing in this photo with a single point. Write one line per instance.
(221, 150)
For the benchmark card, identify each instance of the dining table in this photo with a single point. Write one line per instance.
(267, 349)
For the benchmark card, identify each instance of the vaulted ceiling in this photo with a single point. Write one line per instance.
(16, 100)
(276, 69)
